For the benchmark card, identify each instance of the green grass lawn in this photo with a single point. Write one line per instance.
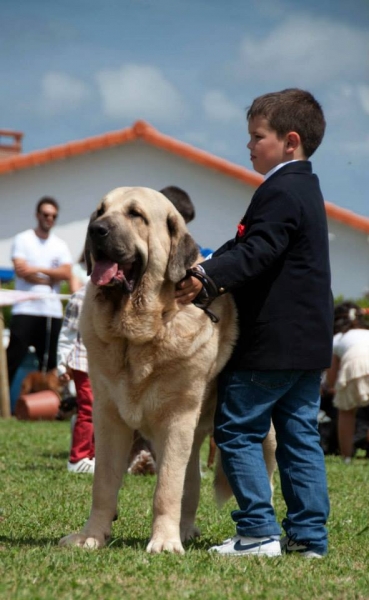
(40, 502)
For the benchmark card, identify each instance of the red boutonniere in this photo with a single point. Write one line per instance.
(241, 229)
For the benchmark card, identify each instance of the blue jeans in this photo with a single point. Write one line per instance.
(247, 401)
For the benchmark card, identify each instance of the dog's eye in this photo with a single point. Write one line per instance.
(134, 213)
(100, 211)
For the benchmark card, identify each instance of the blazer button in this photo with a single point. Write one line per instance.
(221, 290)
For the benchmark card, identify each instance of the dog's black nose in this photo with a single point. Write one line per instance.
(98, 229)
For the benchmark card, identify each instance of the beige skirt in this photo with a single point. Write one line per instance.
(352, 387)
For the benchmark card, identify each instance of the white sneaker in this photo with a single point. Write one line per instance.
(288, 546)
(239, 545)
(85, 465)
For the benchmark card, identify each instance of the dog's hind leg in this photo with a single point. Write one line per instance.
(191, 495)
(113, 441)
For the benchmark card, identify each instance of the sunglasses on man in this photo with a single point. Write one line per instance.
(48, 215)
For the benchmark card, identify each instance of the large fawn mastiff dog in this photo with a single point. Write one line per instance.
(153, 363)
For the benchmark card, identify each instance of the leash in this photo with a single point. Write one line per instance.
(208, 293)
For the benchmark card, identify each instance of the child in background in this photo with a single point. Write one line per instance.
(183, 203)
(79, 275)
(277, 269)
(72, 363)
(349, 372)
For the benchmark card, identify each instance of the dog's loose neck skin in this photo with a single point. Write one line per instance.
(139, 317)
(152, 327)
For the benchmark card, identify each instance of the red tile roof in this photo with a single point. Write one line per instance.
(145, 131)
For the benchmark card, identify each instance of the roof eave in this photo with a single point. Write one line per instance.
(143, 130)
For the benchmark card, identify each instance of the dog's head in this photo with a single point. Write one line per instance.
(134, 231)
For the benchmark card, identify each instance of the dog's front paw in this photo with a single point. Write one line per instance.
(83, 540)
(159, 544)
(189, 531)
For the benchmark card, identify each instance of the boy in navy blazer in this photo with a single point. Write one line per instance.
(277, 268)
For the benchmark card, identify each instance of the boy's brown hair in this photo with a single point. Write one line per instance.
(292, 110)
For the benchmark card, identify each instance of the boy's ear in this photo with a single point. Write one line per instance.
(293, 141)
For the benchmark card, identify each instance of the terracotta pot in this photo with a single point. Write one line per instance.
(40, 405)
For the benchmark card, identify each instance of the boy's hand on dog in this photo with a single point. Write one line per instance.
(187, 290)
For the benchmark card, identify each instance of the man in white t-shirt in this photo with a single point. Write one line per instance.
(41, 261)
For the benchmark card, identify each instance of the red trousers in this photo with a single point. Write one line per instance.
(83, 445)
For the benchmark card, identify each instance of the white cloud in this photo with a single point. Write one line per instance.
(139, 91)
(363, 91)
(219, 107)
(61, 93)
(305, 51)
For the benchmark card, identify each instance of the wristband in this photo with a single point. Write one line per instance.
(208, 292)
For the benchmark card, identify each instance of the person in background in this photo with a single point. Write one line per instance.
(181, 200)
(79, 275)
(41, 261)
(348, 375)
(277, 269)
(72, 363)
(183, 203)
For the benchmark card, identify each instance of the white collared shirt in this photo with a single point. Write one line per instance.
(279, 167)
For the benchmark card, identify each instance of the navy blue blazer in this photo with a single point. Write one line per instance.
(277, 269)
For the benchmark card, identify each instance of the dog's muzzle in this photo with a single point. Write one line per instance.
(111, 268)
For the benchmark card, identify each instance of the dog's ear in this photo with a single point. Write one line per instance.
(183, 249)
(87, 251)
(87, 254)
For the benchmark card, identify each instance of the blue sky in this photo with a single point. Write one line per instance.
(75, 68)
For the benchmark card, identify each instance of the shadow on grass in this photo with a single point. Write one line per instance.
(141, 544)
(134, 543)
(129, 542)
(200, 543)
(28, 541)
(39, 467)
(58, 455)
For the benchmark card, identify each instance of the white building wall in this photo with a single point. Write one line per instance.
(349, 256)
(78, 183)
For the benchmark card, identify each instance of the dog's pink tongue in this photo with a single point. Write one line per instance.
(103, 272)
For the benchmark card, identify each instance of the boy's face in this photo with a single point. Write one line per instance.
(267, 150)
